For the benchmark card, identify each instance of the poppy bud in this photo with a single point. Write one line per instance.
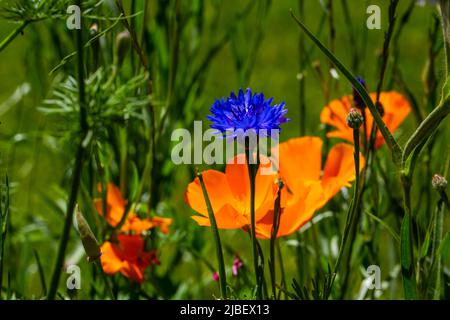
(88, 239)
(439, 182)
(354, 119)
(123, 42)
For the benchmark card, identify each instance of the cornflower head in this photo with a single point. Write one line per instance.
(247, 112)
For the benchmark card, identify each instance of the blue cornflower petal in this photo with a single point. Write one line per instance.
(247, 111)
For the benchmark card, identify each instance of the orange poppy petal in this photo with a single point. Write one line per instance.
(114, 196)
(162, 223)
(136, 224)
(396, 109)
(110, 261)
(294, 216)
(226, 218)
(300, 159)
(133, 271)
(339, 169)
(335, 113)
(216, 185)
(237, 176)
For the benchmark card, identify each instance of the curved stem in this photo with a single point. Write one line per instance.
(13, 35)
(252, 172)
(352, 220)
(212, 219)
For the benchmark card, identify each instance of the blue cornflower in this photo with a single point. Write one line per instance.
(247, 112)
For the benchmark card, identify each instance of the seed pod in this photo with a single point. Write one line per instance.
(88, 239)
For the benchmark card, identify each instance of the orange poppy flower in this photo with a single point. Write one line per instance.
(395, 109)
(127, 256)
(115, 208)
(229, 194)
(307, 187)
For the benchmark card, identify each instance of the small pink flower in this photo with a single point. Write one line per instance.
(237, 264)
(215, 276)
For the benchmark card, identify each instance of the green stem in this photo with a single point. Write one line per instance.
(79, 159)
(273, 240)
(427, 126)
(445, 17)
(13, 35)
(407, 243)
(212, 219)
(352, 219)
(252, 172)
(283, 274)
(105, 280)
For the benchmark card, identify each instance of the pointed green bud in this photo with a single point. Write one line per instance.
(123, 45)
(88, 239)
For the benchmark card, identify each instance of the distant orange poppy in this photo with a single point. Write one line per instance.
(127, 256)
(395, 109)
(306, 188)
(115, 208)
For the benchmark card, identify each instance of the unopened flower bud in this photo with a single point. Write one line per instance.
(123, 43)
(354, 119)
(88, 239)
(439, 182)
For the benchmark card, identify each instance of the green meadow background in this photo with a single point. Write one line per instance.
(262, 52)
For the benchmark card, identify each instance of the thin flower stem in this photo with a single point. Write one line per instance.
(352, 219)
(445, 16)
(302, 78)
(273, 240)
(76, 179)
(387, 39)
(105, 280)
(212, 219)
(142, 58)
(283, 274)
(13, 35)
(252, 172)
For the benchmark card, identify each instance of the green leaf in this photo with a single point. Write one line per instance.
(444, 248)
(425, 245)
(134, 181)
(406, 254)
(390, 140)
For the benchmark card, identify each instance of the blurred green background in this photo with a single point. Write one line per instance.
(262, 53)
